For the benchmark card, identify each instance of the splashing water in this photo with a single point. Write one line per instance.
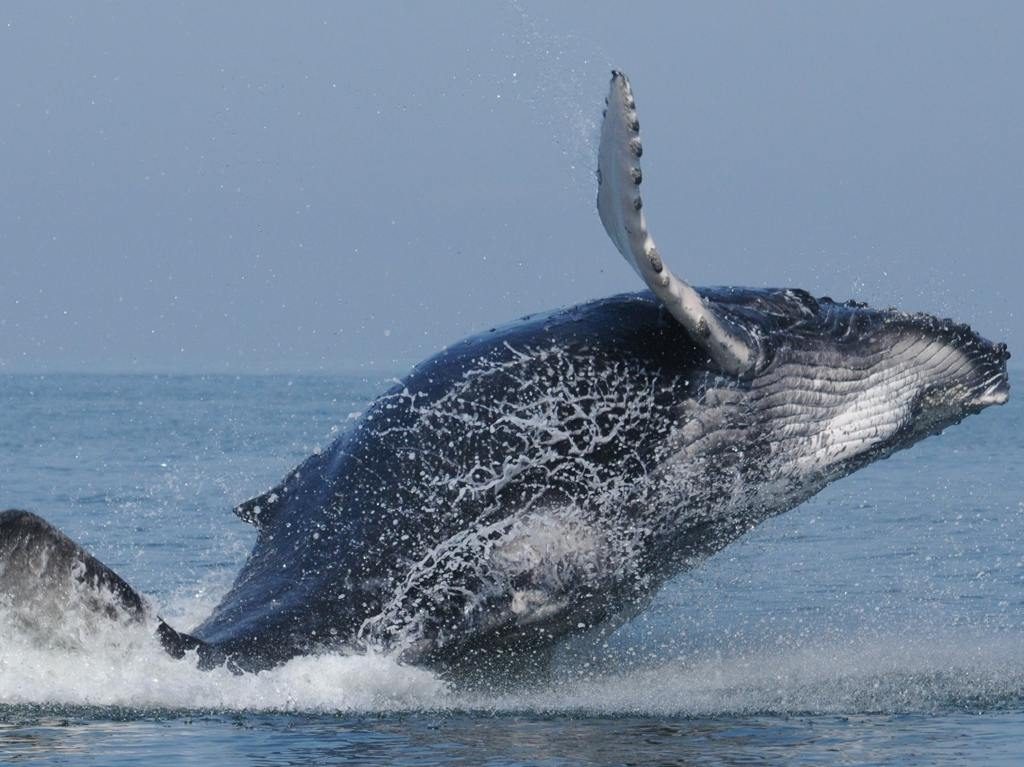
(124, 666)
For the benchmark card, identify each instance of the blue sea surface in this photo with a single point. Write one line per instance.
(880, 623)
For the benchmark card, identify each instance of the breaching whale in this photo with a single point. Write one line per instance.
(548, 476)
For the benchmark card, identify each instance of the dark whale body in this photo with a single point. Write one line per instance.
(338, 534)
(349, 520)
(545, 478)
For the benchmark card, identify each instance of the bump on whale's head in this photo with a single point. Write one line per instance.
(870, 376)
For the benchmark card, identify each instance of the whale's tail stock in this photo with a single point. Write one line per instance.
(57, 590)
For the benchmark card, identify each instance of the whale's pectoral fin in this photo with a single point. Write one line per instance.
(58, 591)
(728, 344)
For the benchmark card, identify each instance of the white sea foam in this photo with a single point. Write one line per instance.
(134, 672)
(869, 672)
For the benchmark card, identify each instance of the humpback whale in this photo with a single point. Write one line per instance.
(546, 477)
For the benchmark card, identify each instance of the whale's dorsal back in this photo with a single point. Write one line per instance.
(619, 204)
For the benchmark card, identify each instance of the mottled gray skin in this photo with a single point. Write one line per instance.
(604, 418)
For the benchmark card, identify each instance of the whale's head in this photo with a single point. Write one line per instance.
(928, 372)
(829, 381)
(853, 381)
(879, 369)
(953, 371)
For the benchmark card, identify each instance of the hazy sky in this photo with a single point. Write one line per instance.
(333, 186)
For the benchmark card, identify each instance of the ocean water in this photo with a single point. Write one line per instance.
(881, 622)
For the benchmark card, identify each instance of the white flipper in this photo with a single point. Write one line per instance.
(621, 211)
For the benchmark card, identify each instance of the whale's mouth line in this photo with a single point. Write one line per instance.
(995, 390)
